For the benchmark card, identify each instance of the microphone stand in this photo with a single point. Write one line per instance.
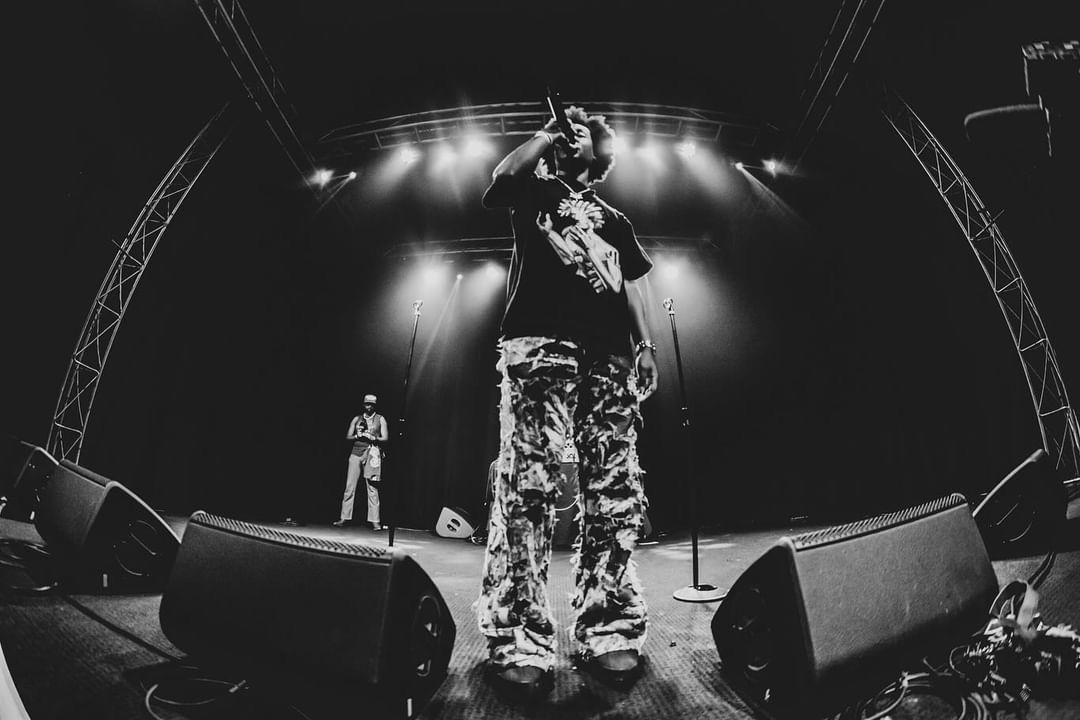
(401, 414)
(696, 591)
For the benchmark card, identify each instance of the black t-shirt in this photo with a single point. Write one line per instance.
(567, 277)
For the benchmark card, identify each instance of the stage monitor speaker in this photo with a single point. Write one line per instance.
(104, 535)
(827, 618)
(1026, 128)
(360, 629)
(454, 522)
(1026, 510)
(25, 469)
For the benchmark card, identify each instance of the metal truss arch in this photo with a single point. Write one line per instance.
(113, 297)
(523, 118)
(502, 247)
(236, 37)
(851, 28)
(1055, 415)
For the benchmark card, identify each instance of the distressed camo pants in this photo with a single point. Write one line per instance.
(550, 388)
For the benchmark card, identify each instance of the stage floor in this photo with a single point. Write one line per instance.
(88, 656)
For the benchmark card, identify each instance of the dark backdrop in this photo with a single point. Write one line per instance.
(843, 352)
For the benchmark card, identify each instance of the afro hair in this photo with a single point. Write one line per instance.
(603, 140)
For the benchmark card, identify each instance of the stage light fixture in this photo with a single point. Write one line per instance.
(669, 268)
(321, 177)
(408, 154)
(432, 272)
(686, 148)
(772, 166)
(443, 156)
(494, 270)
(352, 175)
(739, 165)
(650, 153)
(477, 147)
(459, 276)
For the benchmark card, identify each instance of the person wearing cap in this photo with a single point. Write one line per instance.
(369, 434)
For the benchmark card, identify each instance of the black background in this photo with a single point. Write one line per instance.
(841, 358)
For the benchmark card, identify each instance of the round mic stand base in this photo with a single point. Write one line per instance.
(699, 593)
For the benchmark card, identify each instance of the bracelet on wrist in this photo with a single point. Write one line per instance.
(642, 344)
(546, 135)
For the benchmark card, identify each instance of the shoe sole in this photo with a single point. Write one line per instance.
(519, 692)
(615, 679)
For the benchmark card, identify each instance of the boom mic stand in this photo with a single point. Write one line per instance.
(401, 415)
(696, 591)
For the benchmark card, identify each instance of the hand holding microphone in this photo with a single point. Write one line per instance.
(559, 126)
(557, 136)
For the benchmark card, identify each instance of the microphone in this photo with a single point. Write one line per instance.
(555, 105)
(669, 305)
(417, 305)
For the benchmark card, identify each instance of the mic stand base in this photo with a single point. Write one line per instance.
(699, 593)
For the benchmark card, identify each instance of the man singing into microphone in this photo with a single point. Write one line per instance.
(570, 369)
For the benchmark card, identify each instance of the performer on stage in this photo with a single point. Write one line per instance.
(570, 370)
(369, 434)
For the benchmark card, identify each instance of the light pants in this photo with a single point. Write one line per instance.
(549, 389)
(352, 478)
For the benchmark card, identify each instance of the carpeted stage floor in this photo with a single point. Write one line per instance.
(90, 657)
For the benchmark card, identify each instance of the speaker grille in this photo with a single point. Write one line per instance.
(840, 533)
(262, 532)
(826, 617)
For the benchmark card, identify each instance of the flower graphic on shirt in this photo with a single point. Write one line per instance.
(578, 244)
(582, 212)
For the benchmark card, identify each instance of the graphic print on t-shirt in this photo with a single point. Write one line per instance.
(578, 244)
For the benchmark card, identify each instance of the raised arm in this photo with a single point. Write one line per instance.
(521, 161)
